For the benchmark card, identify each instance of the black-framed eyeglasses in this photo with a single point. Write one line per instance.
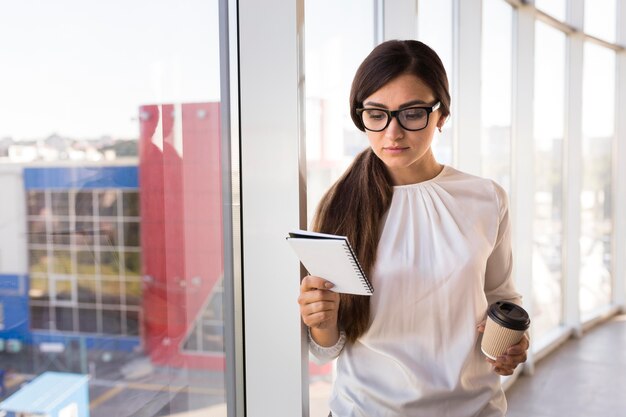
(410, 118)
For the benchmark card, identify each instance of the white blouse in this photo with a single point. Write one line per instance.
(444, 255)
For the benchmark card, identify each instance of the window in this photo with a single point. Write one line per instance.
(339, 35)
(496, 91)
(601, 19)
(435, 28)
(547, 261)
(118, 194)
(71, 251)
(555, 8)
(596, 195)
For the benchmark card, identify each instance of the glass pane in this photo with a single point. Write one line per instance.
(64, 319)
(85, 262)
(213, 339)
(555, 8)
(87, 320)
(109, 234)
(132, 323)
(127, 99)
(338, 35)
(38, 260)
(131, 203)
(63, 289)
(87, 290)
(37, 231)
(133, 292)
(109, 262)
(39, 288)
(36, 203)
(132, 263)
(40, 317)
(62, 262)
(548, 144)
(107, 203)
(496, 91)
(596, 196)
(434, 24)
(111, 321)
(111, 291)
(84, 234)
(83, 203)
(61, 232)
(60, 203)
(131, 234)
(601, 19)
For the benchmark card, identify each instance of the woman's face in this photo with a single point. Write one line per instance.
(406, 154)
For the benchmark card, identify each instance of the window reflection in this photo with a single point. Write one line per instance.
(596, 195)
(547, 261)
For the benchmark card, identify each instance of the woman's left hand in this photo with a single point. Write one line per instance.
(506, 363)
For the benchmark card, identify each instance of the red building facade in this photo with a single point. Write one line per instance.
(181, 234)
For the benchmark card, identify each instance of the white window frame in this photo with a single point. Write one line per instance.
(619, 166)
(271, 129)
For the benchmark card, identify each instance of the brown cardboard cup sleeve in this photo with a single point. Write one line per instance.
(505, 327)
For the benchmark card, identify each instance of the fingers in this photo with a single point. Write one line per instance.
(516, 354)
(481, 326)
(311, 282)
(319, 313)
(318, 306)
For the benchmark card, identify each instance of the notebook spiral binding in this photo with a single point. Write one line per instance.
(357, 267)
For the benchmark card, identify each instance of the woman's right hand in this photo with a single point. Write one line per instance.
(319, 307)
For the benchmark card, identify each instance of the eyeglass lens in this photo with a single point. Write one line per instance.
(413, 118)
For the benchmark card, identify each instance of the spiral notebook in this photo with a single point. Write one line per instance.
(332, 258)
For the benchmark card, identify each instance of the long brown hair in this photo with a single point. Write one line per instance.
(356, 203)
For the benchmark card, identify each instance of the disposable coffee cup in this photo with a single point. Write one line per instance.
(505, 327)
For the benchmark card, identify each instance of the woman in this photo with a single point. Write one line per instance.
(435, 243)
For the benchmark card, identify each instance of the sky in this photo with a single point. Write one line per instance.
(81, 68)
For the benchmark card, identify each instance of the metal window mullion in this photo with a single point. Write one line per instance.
(572, 172)
(522, 146)
(399, 19)
(619, 166)
(467, 71)
(379, 21)
(234, 379)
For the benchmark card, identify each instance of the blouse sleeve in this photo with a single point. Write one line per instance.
(324, 354)
(499, 283)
